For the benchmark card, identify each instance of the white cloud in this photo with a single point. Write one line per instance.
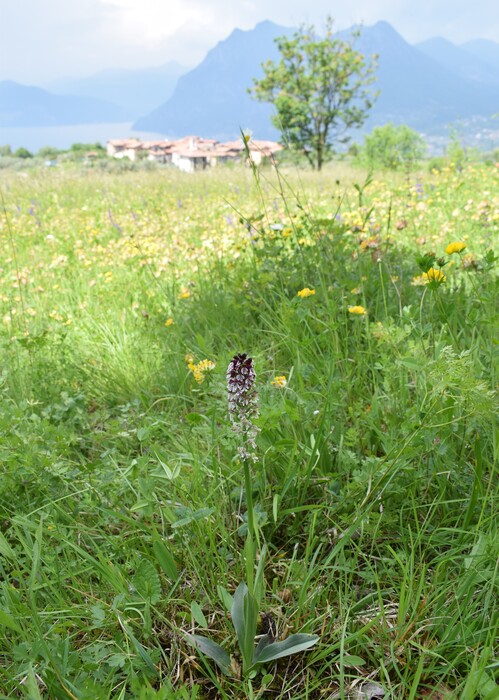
(154, 20)
(45, 39)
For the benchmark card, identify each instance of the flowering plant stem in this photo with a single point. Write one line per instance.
(250, 551)
(449, 326)
(243, 409)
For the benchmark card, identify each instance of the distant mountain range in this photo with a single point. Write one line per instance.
(212, 99)
(417, 89)
(426, 86)
(461, 61)
(28, 106)
(485, 50)
(422, 86)
(136, 91)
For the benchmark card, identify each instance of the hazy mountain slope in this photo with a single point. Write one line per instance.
(459, 60)
(417, 90)
(425, 86)
(414, 88)
(484, 49)
(212, 99)
(24, 105)
(138, 91)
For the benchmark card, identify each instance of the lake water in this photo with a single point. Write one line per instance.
(34, 138)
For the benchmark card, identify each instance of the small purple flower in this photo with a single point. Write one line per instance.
(113, 222)
(32, 212)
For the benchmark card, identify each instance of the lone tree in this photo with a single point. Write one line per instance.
(320, 89)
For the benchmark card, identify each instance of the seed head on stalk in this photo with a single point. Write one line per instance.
(243, 403)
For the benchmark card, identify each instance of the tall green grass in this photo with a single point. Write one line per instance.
(122, 502)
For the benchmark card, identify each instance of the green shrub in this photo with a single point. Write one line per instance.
(22, 153)
(392, 147)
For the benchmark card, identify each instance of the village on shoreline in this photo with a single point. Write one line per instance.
(193, 152)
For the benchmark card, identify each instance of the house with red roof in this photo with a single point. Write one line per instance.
(192, 153)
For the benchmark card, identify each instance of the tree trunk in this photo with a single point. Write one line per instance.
(319, 156)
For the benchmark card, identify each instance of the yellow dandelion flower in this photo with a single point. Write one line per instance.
(434, 275)
(184, 294)
(279, 382)
(169, 322)
(306, 292)
(359, 310)
(456, 247)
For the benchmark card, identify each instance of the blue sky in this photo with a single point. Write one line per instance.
(43, 40)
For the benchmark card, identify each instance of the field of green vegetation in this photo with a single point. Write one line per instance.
(129, 518)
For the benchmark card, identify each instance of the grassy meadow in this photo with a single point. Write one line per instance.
(371, 511)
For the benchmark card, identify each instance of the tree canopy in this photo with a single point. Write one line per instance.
(393, 147)
(320, 90)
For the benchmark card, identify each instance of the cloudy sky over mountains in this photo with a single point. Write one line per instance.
(49, 39)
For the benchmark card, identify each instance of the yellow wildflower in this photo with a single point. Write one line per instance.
(184, 293)
(169, 322)
(456, 247)
(306, 292)
(199, 370)
(419, 281)
(279, 382)
(434, 275)
(359, 310)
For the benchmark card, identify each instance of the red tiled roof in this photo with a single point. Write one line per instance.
(126, 143)
(203, 153)
(191, 153)
(234, 145)
(254, 145)
(198, 147)
(265, 146)
(159, 144)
